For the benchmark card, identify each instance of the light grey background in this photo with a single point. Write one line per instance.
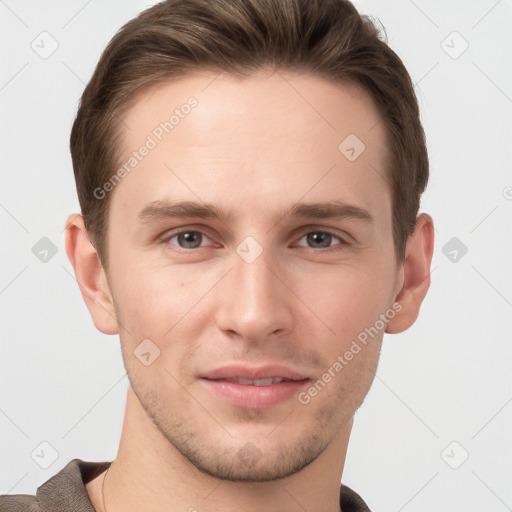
(445, 380)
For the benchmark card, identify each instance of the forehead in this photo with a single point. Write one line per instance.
(268, 139)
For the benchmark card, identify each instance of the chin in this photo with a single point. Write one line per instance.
(249, 464)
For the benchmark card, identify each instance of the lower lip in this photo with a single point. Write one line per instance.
(254, 397)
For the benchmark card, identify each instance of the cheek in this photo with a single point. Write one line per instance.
(347, 298)
(145, 297)
(161, 302)
(174, 304)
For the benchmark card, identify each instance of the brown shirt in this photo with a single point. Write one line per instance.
(65, 492)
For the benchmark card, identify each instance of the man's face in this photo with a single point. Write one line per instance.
(261, 286)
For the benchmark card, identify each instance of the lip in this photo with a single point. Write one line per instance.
(251, 396)
(237, 371)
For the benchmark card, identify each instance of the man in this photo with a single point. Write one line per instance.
(249, 174)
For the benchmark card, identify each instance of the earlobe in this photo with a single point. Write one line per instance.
(416, 274)
(90, 275)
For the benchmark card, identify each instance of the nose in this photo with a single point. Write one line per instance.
(254, 300)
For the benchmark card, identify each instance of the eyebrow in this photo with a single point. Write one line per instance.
(165, 209)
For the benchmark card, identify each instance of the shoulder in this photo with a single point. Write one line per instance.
(350, 501)
(18, 503)
(63, 491)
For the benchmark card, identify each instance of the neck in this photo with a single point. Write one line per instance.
(150, 474)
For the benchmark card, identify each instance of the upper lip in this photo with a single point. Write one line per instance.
(253, 373)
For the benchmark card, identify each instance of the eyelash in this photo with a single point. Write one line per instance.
(169, 236)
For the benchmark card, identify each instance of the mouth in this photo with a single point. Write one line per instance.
(254, 388)
(257, 382)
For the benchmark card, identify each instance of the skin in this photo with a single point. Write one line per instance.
(253, 146)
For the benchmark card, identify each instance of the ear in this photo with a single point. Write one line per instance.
(415, 274)
(90, 275)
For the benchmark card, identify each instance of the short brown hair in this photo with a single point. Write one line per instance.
(328, 38)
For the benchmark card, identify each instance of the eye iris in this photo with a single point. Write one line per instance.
(318, 237)
(189, 238)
